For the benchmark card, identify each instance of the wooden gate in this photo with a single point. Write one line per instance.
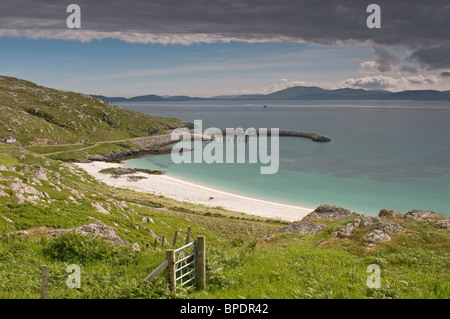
(186, 266)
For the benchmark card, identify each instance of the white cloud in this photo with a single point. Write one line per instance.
(390, 83)
(83, 35)
(277, 86)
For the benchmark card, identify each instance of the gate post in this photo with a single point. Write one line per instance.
(171, 276)
(200, 263)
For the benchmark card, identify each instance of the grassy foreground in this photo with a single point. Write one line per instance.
(239, 263)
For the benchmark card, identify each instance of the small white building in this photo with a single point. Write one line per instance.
(9, 140)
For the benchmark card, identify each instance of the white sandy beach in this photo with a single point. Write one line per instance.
(193, 193)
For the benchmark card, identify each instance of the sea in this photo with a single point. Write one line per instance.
(383, 154)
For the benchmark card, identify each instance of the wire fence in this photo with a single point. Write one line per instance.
(38, 280)
(27, 281)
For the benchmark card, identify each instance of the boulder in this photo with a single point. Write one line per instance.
(369, 221)
(442, 224)
(40, 174)
(3, 194)
(389, 213)
(151, 232)
(347, 230)
(135, 247)
(386, 226)
(19, 198)
(303, 227)
(147, 220)
(98, 229)
(390, 227)
(421, 215)
(331, 212)
(377, 235)
(22, 188)
(100, 208)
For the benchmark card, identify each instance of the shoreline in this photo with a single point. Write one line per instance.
(162, 144)
(186, 191)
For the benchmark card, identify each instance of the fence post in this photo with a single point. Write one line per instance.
(188, 235)
(175, 238)
(163, 239)
(200, 263)
(171, 276)
(44, 282)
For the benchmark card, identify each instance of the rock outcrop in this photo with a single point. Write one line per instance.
(347, 230)
(303, 227)
(389, 213)
(422, 215)
(390, 227)
(331, 212)
(442, 224)
(381, 224)
(98, 229)
(377, 235)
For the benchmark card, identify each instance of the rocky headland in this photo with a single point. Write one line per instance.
(377, 228)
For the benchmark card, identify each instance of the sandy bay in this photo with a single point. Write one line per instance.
(182, 190)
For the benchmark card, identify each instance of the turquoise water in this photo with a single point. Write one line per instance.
(384, 154)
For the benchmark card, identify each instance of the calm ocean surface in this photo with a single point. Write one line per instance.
(384, 154)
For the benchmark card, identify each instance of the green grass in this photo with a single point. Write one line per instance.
(294, 267)
(8, 160)
(104, 148)
(39, 115)
(47, 149)
(413, 265)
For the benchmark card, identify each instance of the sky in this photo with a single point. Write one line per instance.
(219, 47)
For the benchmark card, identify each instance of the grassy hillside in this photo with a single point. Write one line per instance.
(38, 115)
(240, 262)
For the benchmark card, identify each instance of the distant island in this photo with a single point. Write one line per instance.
(299, 93)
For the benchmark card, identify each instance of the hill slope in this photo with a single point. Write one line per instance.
(304, 93)
(38, 115)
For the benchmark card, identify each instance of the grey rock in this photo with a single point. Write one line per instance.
(369, 221)
(135, 247)
(389, 213)
(151, 232)
(100, 208)
(377, 235)
(331, 212)
(98, 229)
(147, 220)
(390, 227)
(22, 188)
(421, 215)
(3, 194)
(33, 199)
(442, 224)
(7, 219)
(347, 230)
(40, 174)
(303, 227)
(380, 224)
(19, 198)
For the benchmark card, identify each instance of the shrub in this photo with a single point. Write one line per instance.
(75, 248)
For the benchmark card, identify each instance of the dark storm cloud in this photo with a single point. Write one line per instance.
(433, 58)
(385, 60)
(409, 69)
(420, 26)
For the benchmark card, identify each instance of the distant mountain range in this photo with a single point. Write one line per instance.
(300, 93)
